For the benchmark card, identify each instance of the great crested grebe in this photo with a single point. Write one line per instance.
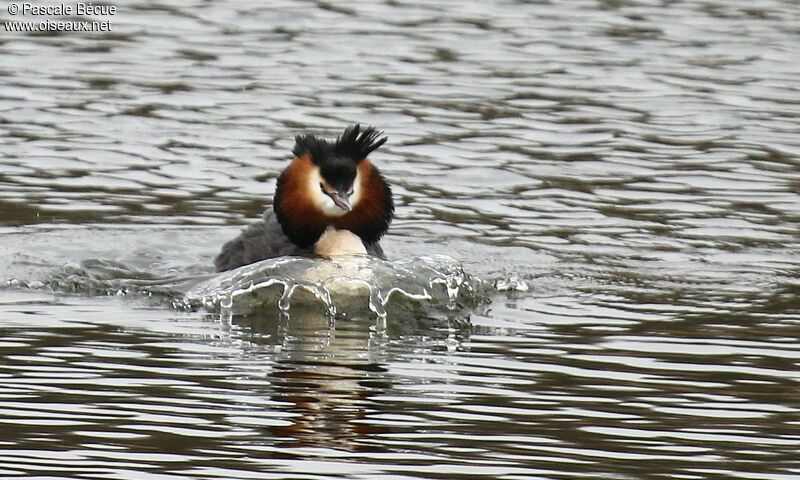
(330, 200)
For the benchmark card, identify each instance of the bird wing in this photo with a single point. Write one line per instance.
(260, 240)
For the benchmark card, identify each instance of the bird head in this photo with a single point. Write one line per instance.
(338, 181)
(332, 183)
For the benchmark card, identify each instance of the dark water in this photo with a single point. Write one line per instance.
(623, 175)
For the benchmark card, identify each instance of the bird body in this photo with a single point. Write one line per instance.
(327, 187)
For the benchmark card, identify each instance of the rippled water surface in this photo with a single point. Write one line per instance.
(622, 178)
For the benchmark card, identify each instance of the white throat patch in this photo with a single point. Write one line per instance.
(324, 202)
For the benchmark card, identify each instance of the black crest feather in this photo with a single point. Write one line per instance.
(354, 143)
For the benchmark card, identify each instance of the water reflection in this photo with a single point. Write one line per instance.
(325, 374)
(328, 371)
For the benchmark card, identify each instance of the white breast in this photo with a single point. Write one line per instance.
(335, 242)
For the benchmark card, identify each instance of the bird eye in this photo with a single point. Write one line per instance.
(321, 186)
(349, 192)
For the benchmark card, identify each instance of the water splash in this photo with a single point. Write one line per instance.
(346, 285)
(108, 277)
